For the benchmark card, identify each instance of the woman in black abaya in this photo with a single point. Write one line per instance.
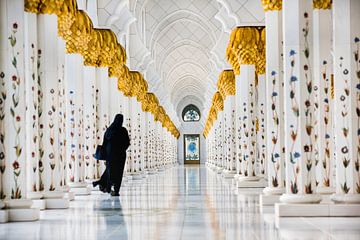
(116, 141)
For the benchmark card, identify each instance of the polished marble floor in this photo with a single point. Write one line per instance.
(181, 203)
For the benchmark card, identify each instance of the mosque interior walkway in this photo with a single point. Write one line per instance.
(188, 202)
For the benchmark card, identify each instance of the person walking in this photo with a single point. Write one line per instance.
(115, 143)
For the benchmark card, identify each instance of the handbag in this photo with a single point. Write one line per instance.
(100, 153)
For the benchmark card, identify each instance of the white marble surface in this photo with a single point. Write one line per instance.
(180, 203)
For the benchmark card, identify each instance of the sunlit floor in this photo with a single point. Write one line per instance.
(180, 203)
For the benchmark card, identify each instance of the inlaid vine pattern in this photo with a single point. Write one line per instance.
(139, 142)
(245, 144)
(308, 108)
(239, 145)
(72, 161)
(16, 191)
(327, 127)
(40, 97)
(262, 136)
(87, 147)
(80, 143)
(61, 129)
(97, 132)
(34, 119)
(94, 116)
(253, 99)
(344, 100)
(51, 125)
(2, 131)
(357, 74)
(233, 139)
(275, 133)
(294, 128)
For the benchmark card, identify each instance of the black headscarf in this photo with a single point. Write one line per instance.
(115, 126)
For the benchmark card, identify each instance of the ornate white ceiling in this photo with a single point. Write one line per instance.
(179, 45)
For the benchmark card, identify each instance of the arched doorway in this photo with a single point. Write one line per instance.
(191, 116)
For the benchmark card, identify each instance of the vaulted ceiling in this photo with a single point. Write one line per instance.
(178, 45)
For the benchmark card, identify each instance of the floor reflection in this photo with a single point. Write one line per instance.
(181, 203)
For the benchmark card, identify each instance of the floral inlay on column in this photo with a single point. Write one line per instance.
(72, 138)
(51, 126)
(62, 127)
(97, 131)
(2, 131)
(275, 156)
(87, 147)
(41, 126)
(16, 119)
(239, 138)
(344, 98)
(253, 98)
(34, 119)
(94, 117)
(357, 73)
(308, 147)
(245, 146)
(294, 155)
(80, 152)
(326, 160)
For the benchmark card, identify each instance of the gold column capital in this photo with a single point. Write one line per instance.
(226, 83)
(261, 57)
(243, 47)
(272, 5)
(322, 4)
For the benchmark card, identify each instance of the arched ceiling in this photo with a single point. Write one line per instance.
(179, 44)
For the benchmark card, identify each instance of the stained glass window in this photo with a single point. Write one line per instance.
(191, 114)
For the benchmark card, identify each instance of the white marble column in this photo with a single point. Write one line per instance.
(229, 144)
(299, 103)
(74, 125)
(89, 127)
(221, 156)
(103, 118)
(63, 167)
(323, 147)
(32, 104)
(274, 102)
(346, 16)
(245, 105)
(12, 79)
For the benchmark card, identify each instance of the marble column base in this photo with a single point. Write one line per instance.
(134, 176)
(3, 213)
(56, 200)
(24, 215)
(19, 210)
(152, 171)
(271, 195)
(228, 174)
(269, 200)
(79, 188)
(36, 197)
(39, 203)
(219, 170)
(60, 203)
(325, 190)
(346, 198)
(70, 196)
(300, 198)
(274, 190)
(161, 168)
(317, 210)
(251, 182)
(4, 216)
